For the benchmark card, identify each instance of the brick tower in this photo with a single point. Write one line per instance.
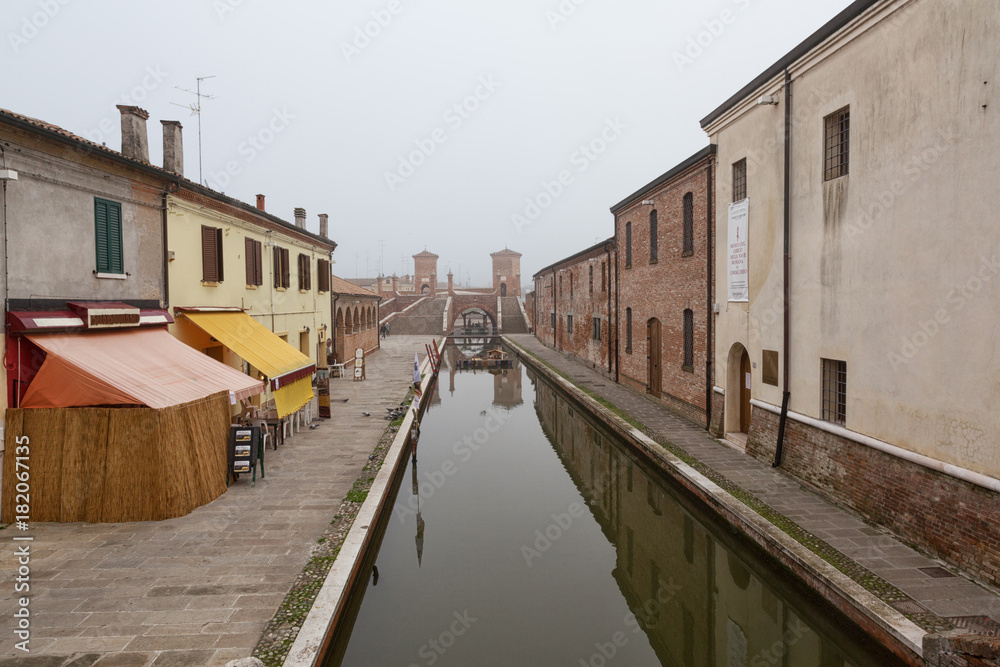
(425, 273)
(507, 272)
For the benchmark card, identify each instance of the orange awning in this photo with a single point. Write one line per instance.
(136, 367)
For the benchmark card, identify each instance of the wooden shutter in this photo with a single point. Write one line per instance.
(117, 263)
(101, 232)
(250, 255)
(258, 263)
(220, 265)
(305, 266)
(108, 236)
(209, 255)
(276, 265)
(323, 268)
(286, 279)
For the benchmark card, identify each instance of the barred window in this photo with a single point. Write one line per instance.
(628, 331)
(653, 240)
(628, 245)
(591, 278)
(688, 224)
(604, 286)
(740, 180)
(552, 325)
(597, 328)
(834, 396)
(569, 324)
(689, 340)
(836, 137)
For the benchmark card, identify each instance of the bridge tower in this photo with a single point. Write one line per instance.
(507, 272)
(425, 273)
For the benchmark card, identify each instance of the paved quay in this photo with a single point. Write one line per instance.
(936, 592)
(200, 589)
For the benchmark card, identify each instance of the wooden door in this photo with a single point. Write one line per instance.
(654, 371)
(745, 393)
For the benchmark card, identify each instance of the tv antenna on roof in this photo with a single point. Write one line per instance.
(196, 111)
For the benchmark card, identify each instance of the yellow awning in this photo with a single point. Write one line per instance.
(288, 370)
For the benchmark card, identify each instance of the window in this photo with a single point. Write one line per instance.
(597, 328)
(255, 271)
(305, 272)
(740, 180)
(108, 233)
(552, 325)
(211, 254)
(836, 140)
(569, 324)
(688, 224)
(603, 269)
(323, 277)
(628, 331)
(628, 245)
(834, 391)
(560, 286)
(591, 278)
(571, 285)
(653, 240)
(689, 340)
(282, 278)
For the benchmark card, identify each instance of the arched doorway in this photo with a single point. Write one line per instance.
(426, 289)
(738, 386)
(503, 289)
(654, 364)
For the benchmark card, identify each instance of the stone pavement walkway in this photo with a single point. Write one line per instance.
(199, 589)
(933, 587)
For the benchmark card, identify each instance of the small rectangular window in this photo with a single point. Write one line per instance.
(836, 138)
(323, 278)
(740, 180)
(108, 236)
(552, 325)
(834, 391)
(604, 286)
(305, 272)
(689, 340)
(591, 278)
(255, 273)
(628, 331)
(653, 237)
(569, 324)
(688, 224)
(597, 328)
(211, 254)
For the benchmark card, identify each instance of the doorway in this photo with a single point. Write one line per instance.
(503, 289)
(745, 393)
(655, 350)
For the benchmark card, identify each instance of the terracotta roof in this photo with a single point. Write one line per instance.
(506, 251)
(6, 114)
(425, 254)
(341, 286)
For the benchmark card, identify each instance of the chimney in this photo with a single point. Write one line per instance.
(324, 225)
(135, 143)
(381, 279)
(260, 202)
(451, 284)
(395, 284)
(173, 146)
(300, 218)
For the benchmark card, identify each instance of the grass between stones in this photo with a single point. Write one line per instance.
(281, 631)
(867, 579)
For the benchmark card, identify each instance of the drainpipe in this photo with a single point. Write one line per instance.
(174, 187)
(711, 316)
(779, 448)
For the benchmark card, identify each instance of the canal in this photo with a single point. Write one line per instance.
(526, 534)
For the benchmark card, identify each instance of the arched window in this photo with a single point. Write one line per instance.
(653, 240)
(689, 340)
(628, 331)
(688, 224)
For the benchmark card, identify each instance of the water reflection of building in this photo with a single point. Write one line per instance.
(696, 600)
(506, 381)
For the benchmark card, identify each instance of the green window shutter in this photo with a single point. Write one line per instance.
(108, 236)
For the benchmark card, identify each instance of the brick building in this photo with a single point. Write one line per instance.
(574, 306)
(664, 234)
(424, 273)
(355, 319)
(506, 272)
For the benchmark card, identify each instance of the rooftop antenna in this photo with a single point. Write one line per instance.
(196, 111)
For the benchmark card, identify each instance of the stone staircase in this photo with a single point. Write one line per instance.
(513, 320)
(424, 320)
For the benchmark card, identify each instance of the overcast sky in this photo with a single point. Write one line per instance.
(420, 123)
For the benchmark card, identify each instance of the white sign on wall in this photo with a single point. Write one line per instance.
(737, 251)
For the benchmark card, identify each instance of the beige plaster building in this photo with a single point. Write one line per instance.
(857, 268)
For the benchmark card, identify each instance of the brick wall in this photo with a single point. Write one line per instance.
(664, 287)
(718, 415)
(949, 518)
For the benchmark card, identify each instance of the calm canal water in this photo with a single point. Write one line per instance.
(540, 539)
